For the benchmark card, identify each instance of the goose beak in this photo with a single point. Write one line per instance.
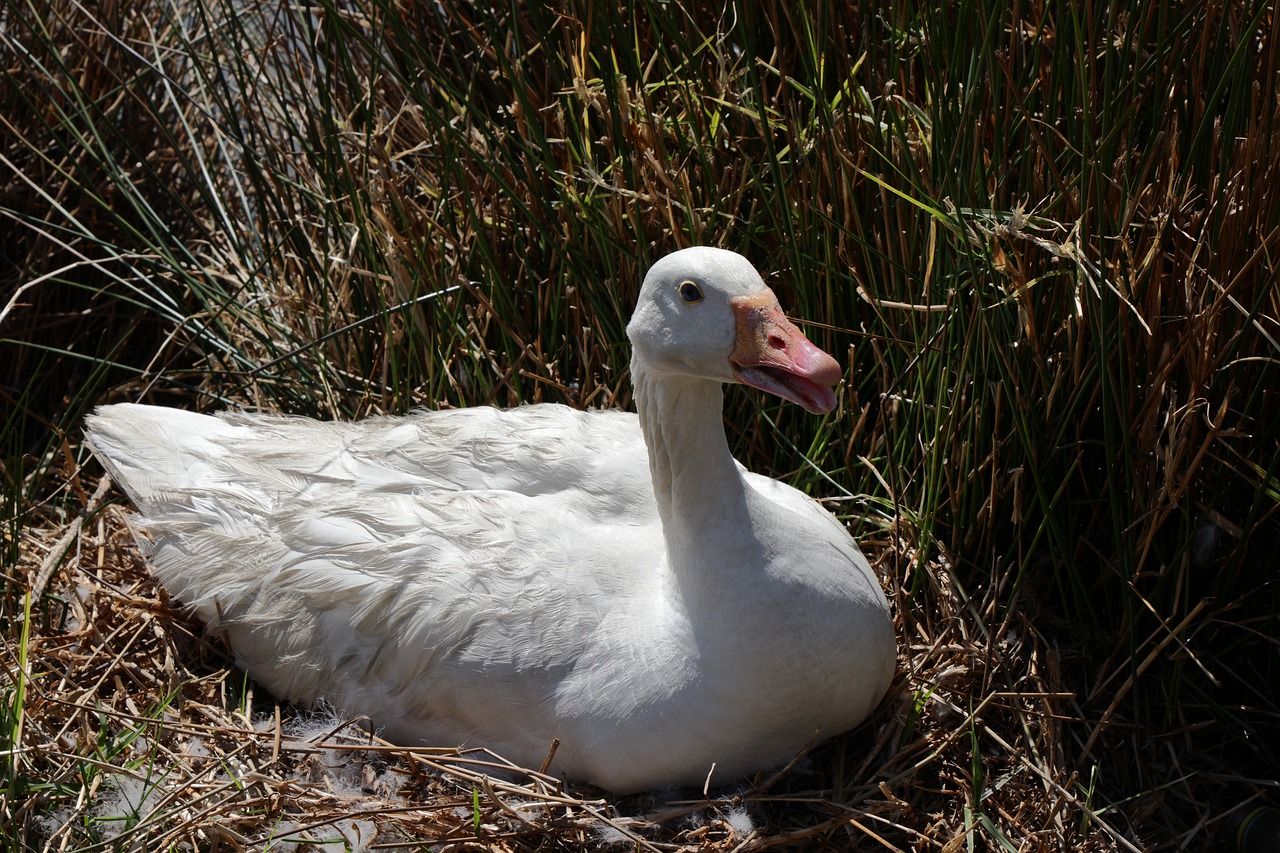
(771, 354)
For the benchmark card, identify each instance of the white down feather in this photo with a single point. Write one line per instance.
(494, 578)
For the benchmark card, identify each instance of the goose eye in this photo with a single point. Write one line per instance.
(690, 292)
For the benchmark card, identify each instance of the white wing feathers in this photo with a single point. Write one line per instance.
(374, 558)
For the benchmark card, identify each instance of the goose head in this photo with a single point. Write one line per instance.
(706, 313)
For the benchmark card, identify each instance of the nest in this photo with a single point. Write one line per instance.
(137, 731)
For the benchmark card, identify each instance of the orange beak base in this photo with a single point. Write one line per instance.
(771, 354)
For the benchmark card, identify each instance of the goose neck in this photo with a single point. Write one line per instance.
(697, 484)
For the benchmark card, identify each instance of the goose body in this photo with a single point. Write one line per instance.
(479, 577)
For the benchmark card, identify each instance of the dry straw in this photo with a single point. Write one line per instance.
(1044, 235)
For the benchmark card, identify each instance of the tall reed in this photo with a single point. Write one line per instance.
(1045, 235)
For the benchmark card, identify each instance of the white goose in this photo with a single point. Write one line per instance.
(502, 578)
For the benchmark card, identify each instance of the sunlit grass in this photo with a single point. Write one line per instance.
(1045, 245)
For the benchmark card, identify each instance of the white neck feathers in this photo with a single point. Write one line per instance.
(699, 489)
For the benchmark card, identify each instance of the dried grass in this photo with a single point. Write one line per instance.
(145, 736)
(1045, 236)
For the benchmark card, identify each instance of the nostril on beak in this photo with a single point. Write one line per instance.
(777, 342)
